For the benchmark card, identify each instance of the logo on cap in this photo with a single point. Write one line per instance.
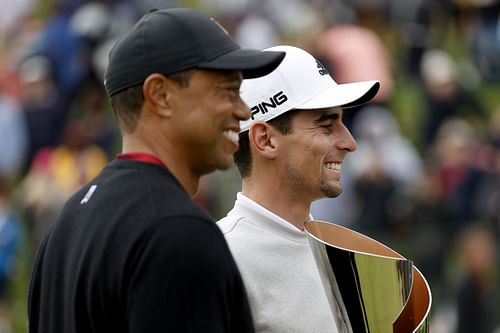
(321, 68)
(219, 25)
(274, 101)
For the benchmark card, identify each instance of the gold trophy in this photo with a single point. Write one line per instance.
(370, 287)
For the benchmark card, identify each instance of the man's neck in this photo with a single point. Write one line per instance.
(174, 164)
(281, 203)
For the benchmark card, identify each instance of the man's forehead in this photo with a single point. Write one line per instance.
(320, 113)
(335, 109)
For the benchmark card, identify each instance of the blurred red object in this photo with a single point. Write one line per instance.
(355, 53)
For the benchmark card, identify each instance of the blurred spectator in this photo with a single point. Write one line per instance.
(55, 174)
(64, 51)
(91, 21)
(378, 134)
(478, 297)
(386, 169)
(10, 241)
(13, 49)
(43, 104)
(487, 197)
(89, 119)
(412, 21)
(485, 39)
(74, 31)
(306, 20)
(444, 201)
(458, 172)
(97, 25)
(257, 31)
(10, 13)
(38, 197)
(13, 135)
(430, 239)
(445, 97)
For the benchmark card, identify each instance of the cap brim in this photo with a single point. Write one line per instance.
(344, 95)
(252, 63)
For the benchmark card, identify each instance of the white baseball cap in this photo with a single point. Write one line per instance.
(300, 82)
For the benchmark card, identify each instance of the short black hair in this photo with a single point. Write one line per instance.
(127, 103)
(243, 156)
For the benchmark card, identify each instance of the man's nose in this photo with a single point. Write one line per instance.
(242, 112)
(346, 140)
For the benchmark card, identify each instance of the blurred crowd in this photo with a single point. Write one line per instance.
(425, 178)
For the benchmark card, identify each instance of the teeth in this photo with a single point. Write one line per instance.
(333, 166)
(231, 136)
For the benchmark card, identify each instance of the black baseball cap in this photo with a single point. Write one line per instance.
(171, 40)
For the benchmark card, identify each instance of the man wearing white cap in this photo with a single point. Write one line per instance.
(291, 153)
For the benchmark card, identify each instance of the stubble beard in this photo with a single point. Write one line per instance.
(299, 184)
(329, 190)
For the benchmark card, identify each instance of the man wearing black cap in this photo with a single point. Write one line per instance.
(130, 251)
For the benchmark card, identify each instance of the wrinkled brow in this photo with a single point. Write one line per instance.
(330, 115)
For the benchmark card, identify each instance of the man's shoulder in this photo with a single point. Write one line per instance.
(233, 223)
(239, 217)
(136, 187)
(240, 232)
(227, 224)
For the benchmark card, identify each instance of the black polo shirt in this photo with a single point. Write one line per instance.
(131, 252)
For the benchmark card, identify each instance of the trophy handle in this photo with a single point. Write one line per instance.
(415, 315)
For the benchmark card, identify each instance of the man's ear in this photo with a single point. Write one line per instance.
(263, 139)
(158, 91)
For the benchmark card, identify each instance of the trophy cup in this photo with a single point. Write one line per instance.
(370, 287)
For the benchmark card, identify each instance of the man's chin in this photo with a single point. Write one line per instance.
(332, 191)
(225, 163)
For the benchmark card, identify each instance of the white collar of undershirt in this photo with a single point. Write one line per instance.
(254, 211)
